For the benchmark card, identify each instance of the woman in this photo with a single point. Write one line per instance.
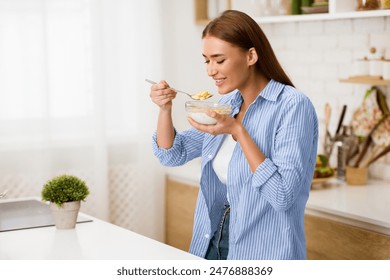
(258, 163)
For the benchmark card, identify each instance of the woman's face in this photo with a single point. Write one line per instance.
(228, 65)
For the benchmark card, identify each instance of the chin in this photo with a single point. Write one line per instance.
(225, 91)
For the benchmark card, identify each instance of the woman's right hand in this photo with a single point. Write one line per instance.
(162, 95)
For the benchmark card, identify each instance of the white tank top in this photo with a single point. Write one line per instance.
(222, 159)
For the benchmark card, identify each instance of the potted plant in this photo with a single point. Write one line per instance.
(65, 192)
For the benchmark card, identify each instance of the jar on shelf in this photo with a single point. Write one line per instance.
(363, 5)
(295, 8)
(385, 4)
(386, 70)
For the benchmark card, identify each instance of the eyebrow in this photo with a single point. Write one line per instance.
(213, 55)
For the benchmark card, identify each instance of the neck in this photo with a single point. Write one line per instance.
(252, 88)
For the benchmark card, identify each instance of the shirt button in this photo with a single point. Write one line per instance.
(207, 236)
(210, 156)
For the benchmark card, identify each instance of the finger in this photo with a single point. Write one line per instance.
(164, 99)
(164, 93)
(213, 114)
(192, 122)
(159, 86)
(207, 128)
(169, 91)
(163, 85)
(168, 96)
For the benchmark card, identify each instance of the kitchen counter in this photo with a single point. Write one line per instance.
(96, 240)
(366, 206)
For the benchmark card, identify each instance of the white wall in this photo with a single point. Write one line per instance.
(315, 54)
(184, 66)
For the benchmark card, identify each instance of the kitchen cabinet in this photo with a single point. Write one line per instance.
(349, 222)
(341, 221)
(337, 10)
(330, 240)
(179, 213)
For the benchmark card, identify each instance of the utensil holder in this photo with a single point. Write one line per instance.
(342, 150)
(356, 175)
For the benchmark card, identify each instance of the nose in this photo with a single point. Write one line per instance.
(211, 70)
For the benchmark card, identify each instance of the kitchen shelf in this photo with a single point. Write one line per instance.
(323, 16)
(337, 10)
(366, 80)
(201, 16)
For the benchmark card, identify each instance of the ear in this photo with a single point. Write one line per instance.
(252, 56)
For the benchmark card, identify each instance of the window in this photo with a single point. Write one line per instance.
(46, 65)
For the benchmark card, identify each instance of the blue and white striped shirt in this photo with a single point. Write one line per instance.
(267, 206)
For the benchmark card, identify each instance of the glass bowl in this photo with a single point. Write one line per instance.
(197, 111)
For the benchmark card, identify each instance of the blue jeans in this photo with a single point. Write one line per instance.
(219, 243)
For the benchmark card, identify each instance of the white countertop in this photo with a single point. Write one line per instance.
(363, 206)
(96, 240)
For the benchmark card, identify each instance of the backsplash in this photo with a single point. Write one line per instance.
(316, 54)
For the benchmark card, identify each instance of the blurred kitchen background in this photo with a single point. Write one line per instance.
(73, 97)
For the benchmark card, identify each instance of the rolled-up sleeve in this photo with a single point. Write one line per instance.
(186, 146)
(281, 176)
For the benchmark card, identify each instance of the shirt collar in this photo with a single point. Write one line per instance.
(271, 92)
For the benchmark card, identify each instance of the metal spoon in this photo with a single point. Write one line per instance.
(193, 96)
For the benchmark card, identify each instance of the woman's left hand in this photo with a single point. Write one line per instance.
(229, 125)
(225, 124)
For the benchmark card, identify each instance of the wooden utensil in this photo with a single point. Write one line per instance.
(327, 136)
(341, 120)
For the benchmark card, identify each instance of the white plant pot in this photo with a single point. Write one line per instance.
(65, 217)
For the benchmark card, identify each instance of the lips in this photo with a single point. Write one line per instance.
(218, 82)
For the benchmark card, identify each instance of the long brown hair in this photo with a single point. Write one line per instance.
(241, 30)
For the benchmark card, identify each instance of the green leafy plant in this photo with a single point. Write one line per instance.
(64, 188)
